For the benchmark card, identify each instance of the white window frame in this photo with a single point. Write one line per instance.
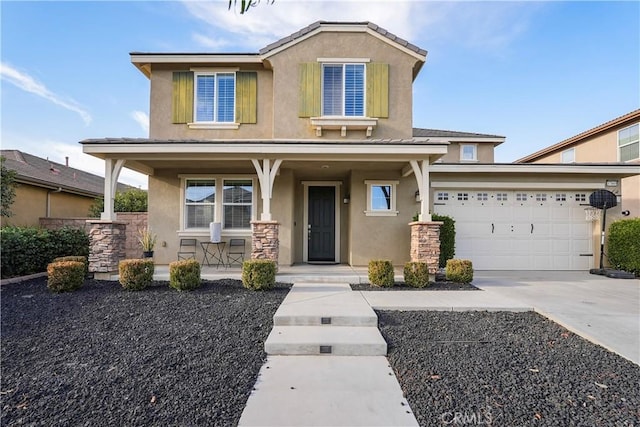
(381, 212)
(253, 205)
(637, 141)
(568, 156)
(219, 208)
(183, 201)
(475, 152)
(214, 124)
(342, 101)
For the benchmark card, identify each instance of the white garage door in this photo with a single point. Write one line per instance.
(519, 230)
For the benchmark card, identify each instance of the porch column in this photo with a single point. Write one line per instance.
(106, 247)
(264, 240)
(112, 170)
(425, 243)
(421, 172)
(266, 175)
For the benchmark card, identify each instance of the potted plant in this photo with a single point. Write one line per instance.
(147, 240)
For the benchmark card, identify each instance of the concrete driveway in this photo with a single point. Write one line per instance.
(605, 311)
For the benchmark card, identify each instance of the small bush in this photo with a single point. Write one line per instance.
(135, 274)
(624, 245)
(381, 273)
(416, 274)
(258, 274)
(184, 275)
(447, 238)
(459, 270)
(65, 276)
(82, 259)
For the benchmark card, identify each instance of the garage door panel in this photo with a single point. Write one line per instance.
(518, 230)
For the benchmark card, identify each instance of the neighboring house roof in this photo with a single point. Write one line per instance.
(605, 127)
(45, 173)
(456, 135)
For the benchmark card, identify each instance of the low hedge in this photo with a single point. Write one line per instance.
(624, 245)
(184, 275)
(65, 276)
(135, 274)
(258, 274)
(459, 270)
(447, 238)
(28, 250)
(381, 273)
(416, 274)
(83, 259)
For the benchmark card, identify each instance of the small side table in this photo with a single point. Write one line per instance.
(213, 253)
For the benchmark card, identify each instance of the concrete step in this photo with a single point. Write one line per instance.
(329, 340)
(313, 304)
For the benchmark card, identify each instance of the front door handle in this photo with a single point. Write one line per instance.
(492, 228)
(531, 228)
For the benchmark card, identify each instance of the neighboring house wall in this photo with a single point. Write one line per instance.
(31, 203)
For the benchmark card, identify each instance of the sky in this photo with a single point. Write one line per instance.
(534, 72)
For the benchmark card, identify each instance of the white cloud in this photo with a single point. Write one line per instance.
(27, 83)
(478, 25)
(142, 119)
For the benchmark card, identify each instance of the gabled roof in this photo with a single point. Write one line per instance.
(319, 25)
(457, 135)
(607, 126)
(44, 173)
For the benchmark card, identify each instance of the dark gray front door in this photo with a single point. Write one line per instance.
(322, 226)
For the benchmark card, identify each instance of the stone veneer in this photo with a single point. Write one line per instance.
(106, 247)
(425, 243)
(264, 240)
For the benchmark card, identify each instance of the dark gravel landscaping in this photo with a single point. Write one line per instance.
(105, 356)
(507, 369)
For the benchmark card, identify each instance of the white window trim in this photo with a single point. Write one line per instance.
(391, 212)
(630, 143)
(475, 152)
(213, 124)
(343, 62)
(219, 208)
(566, 152)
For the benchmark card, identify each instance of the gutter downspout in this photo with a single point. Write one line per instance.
(49, 200)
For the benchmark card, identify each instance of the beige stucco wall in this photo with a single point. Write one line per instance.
(31, 203)
(287, 124)
(484, 151)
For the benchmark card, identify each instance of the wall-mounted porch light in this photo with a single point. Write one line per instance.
(418, 198)
(346, 199)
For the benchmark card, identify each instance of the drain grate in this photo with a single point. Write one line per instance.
(325, 320)
(325, 349)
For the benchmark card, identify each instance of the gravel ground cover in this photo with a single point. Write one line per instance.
(105, 356)
(507, 369)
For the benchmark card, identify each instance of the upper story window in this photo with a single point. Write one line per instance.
(214, 97)
(343, 90)
(628, 143)
(468, 152)
(568, 156)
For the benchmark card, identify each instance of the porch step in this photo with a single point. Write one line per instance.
(315, 304)
(331, 340)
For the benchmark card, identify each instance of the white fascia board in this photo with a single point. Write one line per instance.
(476, 139)
(616, 169)
(284, 150)
(177, 58)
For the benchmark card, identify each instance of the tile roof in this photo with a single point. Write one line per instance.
(300, 33)
(437, 133)
(46, 173)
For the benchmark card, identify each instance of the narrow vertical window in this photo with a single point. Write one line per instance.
(237, 203)
(200, 202)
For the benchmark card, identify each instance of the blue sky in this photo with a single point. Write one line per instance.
(535, 72)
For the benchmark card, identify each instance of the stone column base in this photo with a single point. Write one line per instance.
(106, 246)
(425, 243)
(264, 240)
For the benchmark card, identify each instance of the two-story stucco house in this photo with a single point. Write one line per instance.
(307, 149)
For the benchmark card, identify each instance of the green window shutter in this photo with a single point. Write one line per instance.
(310, 89)
(182, 109)
(377, 90)
(246, 97)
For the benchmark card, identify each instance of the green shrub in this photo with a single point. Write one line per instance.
(184, 275)
(447, 238)
(258, 274)
(28, 250)
(381, 273)
(136, 274)
(624, 245)
(459, 270)
(65, 276)
(416, 274)
(82, 259)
